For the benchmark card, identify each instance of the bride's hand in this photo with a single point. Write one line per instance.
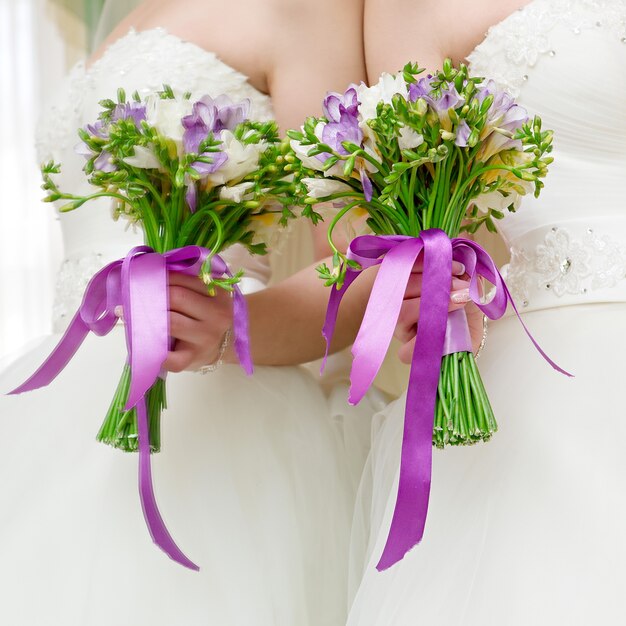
(406, 328)
(197, 323)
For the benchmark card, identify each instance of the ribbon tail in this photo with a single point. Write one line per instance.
(58, 358)
(332, 310)
(381, 316)
(409, 516)
(241, 328)
(158, 531)
(533, 340)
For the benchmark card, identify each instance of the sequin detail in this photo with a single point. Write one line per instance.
(513, 46)
(563, 264)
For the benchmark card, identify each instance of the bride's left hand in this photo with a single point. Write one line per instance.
(198, 322)
(406, 330)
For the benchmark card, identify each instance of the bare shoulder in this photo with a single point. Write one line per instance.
(236, 31)
(427, 31)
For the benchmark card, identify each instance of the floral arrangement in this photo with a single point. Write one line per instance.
(426, 158)
(196, 176)
(187, 172)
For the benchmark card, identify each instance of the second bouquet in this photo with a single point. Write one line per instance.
(423, 158)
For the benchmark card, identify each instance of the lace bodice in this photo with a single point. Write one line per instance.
(141, 61)
(564, 60)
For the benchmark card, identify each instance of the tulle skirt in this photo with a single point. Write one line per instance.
(252, 481)
(529, 528)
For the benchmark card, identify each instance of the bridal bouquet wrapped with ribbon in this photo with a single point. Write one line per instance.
(424, 158)
(197, 177)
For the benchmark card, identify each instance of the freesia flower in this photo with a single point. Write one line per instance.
(463, 132)
(166, 115)
(211, 116)
(237, 193)
(143, 158)
(265, 228)
(135, 111)
(241, 159)
(383, 91)
(322, 187)
(408, 139)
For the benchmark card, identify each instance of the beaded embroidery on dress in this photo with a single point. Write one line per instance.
(251, 479)
(529, 528)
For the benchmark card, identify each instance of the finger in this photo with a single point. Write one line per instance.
(189, 282)
(407, 320)
(458, 269)
(414, 286)
(180, 359)
(188, 330)
(460, 297)
(190, 303)
(405, 352)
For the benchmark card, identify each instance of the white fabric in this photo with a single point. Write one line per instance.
(252, 479)
(529, 528)
(26, 225)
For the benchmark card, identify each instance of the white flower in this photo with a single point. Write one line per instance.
(266, 229)
(383, 91)
(166, 117)
(409, 139)
(143, 158)
(497, 201)
(322, 187)
(242, 159)
(352, 224)
(236, 193)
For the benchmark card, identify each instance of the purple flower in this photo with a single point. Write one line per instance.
(366, 183)
(421, 89)
(103, 162)
(335, 105)
(217, 160)
(230, 115)
(98, 129)
(462, 134)
(346, 129)
(191, 196)
(448, 98)
(130, 110)
(212, 116)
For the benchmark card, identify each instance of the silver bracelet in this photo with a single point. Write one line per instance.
(484, 337)
(211, 367)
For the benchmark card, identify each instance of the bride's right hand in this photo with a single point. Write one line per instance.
(198, 323)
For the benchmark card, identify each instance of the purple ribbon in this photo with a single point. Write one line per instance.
(397, 255)
(139, 284)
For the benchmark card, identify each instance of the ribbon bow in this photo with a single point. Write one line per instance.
(396, 255)
(139, 284)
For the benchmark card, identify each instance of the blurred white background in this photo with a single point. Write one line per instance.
(39, 41)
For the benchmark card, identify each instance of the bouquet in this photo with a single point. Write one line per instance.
(426, 158)
(196, 177)
(189, 174)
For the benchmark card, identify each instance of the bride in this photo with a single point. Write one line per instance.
(252, 479)
(528, 528)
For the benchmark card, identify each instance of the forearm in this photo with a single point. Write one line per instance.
(286, 319)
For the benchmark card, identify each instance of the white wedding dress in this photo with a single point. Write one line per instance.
(252, 480)
(530, 528)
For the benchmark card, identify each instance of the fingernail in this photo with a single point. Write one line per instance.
(119, 311)
(458, 269)
(460, 297)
